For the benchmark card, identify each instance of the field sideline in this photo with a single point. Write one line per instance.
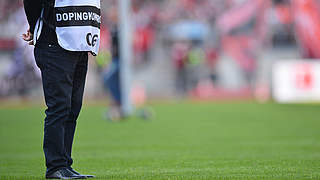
(186, 140)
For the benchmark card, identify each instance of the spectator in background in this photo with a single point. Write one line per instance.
(23, 75)
(111, 76)
(111, 70)
(143, 31)
(302, 17)
(179, 56)
(243, 31)
(8, 6)
(306, 16)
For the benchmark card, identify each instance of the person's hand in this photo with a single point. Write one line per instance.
(28, 37)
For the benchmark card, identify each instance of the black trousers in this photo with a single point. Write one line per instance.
(63, 77)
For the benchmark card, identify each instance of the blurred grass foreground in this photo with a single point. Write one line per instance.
(241, 140)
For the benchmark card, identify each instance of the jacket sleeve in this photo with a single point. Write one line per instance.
(33, 11)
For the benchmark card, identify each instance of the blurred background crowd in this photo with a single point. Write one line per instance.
(206, 49)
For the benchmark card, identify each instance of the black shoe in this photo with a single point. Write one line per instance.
(75, 172)
(64, 173)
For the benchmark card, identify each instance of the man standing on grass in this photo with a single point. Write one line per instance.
(63, 32)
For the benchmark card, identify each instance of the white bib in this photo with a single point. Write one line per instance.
(78, 24)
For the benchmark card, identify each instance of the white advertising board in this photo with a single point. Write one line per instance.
(296, 81)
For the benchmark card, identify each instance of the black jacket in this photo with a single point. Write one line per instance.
(33, 11)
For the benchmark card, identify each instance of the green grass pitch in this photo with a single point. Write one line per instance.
(186, 140)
